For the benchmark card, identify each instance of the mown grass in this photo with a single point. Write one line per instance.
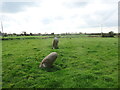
(82, 63)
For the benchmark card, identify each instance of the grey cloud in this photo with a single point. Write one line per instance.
(107, 18)
(47, 20)
(51, 19)
(75, 4)
(109, 1)
(59, 18)
(112, 20)
(79, 4)
(14, 7)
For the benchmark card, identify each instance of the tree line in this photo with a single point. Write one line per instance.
(109, 34)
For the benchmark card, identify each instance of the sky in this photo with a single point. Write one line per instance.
(59, 16)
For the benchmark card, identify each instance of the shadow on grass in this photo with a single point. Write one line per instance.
(52, 69)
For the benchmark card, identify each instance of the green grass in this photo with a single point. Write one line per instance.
(82, 63)
(21, 37)
(33, 37)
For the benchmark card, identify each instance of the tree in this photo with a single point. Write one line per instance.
(5, 34)
(31, 34)
(111, 33)
(0, 33)
(52, 33)
(14, 34)
(23, 33)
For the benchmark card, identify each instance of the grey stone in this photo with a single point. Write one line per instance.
(55, 43)
(48, 60)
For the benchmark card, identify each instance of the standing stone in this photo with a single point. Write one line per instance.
(55, 43)
(48, 60)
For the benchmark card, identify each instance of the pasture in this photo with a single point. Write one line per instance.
(83, 62)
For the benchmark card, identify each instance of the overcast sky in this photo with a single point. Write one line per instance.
(59, 16)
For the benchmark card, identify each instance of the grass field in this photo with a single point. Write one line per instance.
(46, 36)
(23, 37)
(84, 62)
